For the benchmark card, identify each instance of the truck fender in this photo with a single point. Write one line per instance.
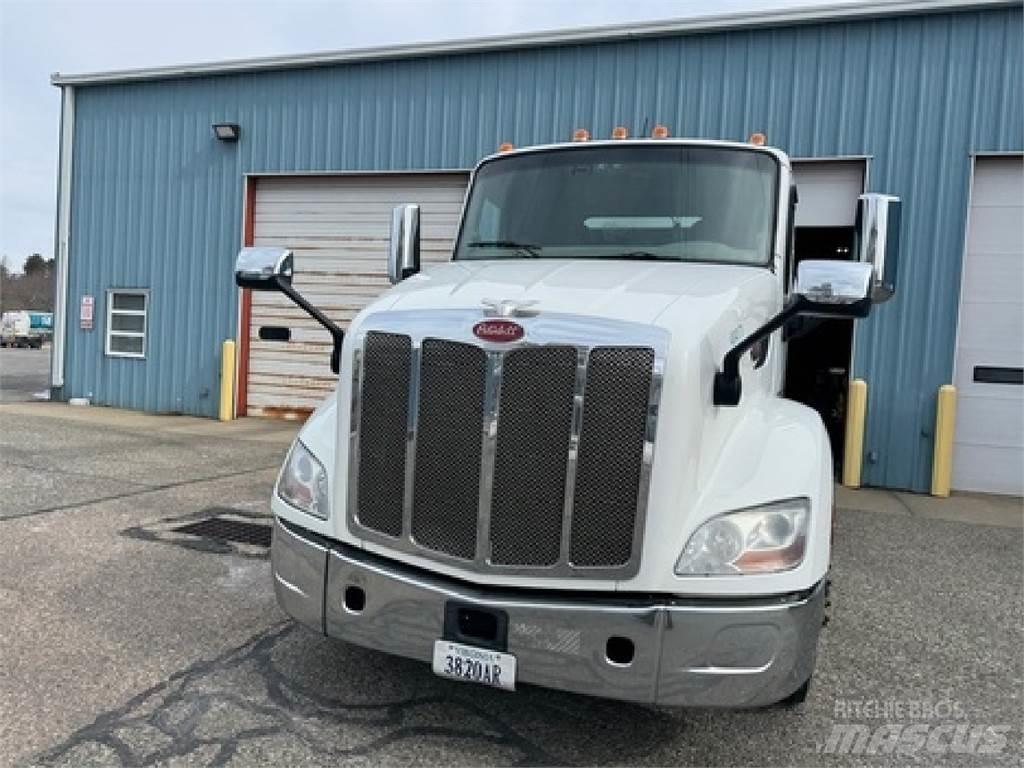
(778, 450)
(319, 432)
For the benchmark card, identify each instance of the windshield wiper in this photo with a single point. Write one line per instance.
(636, 255)
(532, 250)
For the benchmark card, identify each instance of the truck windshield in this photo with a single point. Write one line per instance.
(670, 202)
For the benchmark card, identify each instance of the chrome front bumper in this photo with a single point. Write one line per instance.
(686, 652)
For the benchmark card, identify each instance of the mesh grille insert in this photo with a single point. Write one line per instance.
(446, 488)
(383, 422)
(610, 455)
(534, 421)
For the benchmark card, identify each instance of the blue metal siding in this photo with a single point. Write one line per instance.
(157, 201)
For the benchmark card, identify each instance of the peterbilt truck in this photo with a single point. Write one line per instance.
(563, 458)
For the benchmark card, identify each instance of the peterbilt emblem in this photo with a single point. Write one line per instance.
(499, 330)
(507, 308)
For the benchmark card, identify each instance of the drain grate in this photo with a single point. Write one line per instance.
(224, 529)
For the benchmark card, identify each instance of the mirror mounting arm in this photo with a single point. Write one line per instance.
(337, 334)
(728, 384)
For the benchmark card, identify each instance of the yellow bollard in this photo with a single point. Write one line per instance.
(227, 381)
(945, 427)
(853, 448)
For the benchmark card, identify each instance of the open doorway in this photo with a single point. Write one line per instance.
(819, 351)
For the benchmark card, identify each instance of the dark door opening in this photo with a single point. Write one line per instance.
(819, 351)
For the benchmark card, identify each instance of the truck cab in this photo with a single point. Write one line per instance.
(563, 458)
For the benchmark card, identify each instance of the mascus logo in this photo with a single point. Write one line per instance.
(498, 330)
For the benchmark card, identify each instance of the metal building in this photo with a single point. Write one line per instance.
(921, 99)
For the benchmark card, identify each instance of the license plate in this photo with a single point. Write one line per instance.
(474, 665)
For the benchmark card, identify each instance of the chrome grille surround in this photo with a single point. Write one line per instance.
(547, 334)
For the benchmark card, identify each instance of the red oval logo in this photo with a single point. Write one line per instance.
(498, 330)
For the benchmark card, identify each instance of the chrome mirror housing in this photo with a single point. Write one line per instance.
(264, 268)
(878, 241)
(834, 288)
(404, 247)
(823, 288)
(271, 269)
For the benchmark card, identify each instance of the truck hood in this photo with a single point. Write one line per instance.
(656, 293)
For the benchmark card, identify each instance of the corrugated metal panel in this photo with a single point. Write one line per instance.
(338, 229)
(156, 201)
(709, 22)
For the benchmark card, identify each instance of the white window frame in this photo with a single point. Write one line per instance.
(144, 313)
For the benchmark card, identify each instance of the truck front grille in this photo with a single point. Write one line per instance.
(383, 431)
(446, 477)
(534, 423)
(529, 458)
(611, 453)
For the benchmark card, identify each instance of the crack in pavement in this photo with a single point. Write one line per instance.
(50, 470)
(194, 715)
(140, 492)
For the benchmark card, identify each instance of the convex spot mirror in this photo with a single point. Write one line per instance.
(878, 241)
(404, 246)
(834, 288)
(264, 269)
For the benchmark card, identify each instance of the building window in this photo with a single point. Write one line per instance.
(126, 322)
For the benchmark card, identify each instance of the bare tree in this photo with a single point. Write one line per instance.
(32, 290)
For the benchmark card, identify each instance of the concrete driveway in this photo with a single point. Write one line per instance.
(126, 642)
(24, 373)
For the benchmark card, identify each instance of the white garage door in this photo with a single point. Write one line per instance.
(988, 452)
(828, 191)
(338, 228)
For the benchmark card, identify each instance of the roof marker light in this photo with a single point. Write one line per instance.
(506, 146)
(620, 132)
(581, 134)
(659, 132)
(758, 139)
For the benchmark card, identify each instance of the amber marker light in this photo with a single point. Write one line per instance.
(659, 132)
(506, 146)
(758, 139)
(620, 132)
(581, 134)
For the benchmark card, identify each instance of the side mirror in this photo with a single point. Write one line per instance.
(404, 248)
(834, 288)
(823, 288)
(878, 241)
(271, 269)
(264, 269)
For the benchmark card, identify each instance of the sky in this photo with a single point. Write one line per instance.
(39, 37)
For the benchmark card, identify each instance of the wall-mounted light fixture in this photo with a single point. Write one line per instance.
(226, 131)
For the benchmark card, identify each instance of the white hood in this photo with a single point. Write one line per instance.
(694, 299)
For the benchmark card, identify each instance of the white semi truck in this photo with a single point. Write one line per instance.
(562, 458)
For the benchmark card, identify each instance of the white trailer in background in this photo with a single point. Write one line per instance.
(26, 328)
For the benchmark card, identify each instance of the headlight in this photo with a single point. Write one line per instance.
(303, 483)
(763, 539)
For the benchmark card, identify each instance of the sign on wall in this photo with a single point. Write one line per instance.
(85, 313)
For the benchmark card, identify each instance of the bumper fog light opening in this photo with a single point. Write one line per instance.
(619, 651)
(354, 599)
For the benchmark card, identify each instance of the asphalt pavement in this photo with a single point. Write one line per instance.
(24, 373)
(126, 642)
